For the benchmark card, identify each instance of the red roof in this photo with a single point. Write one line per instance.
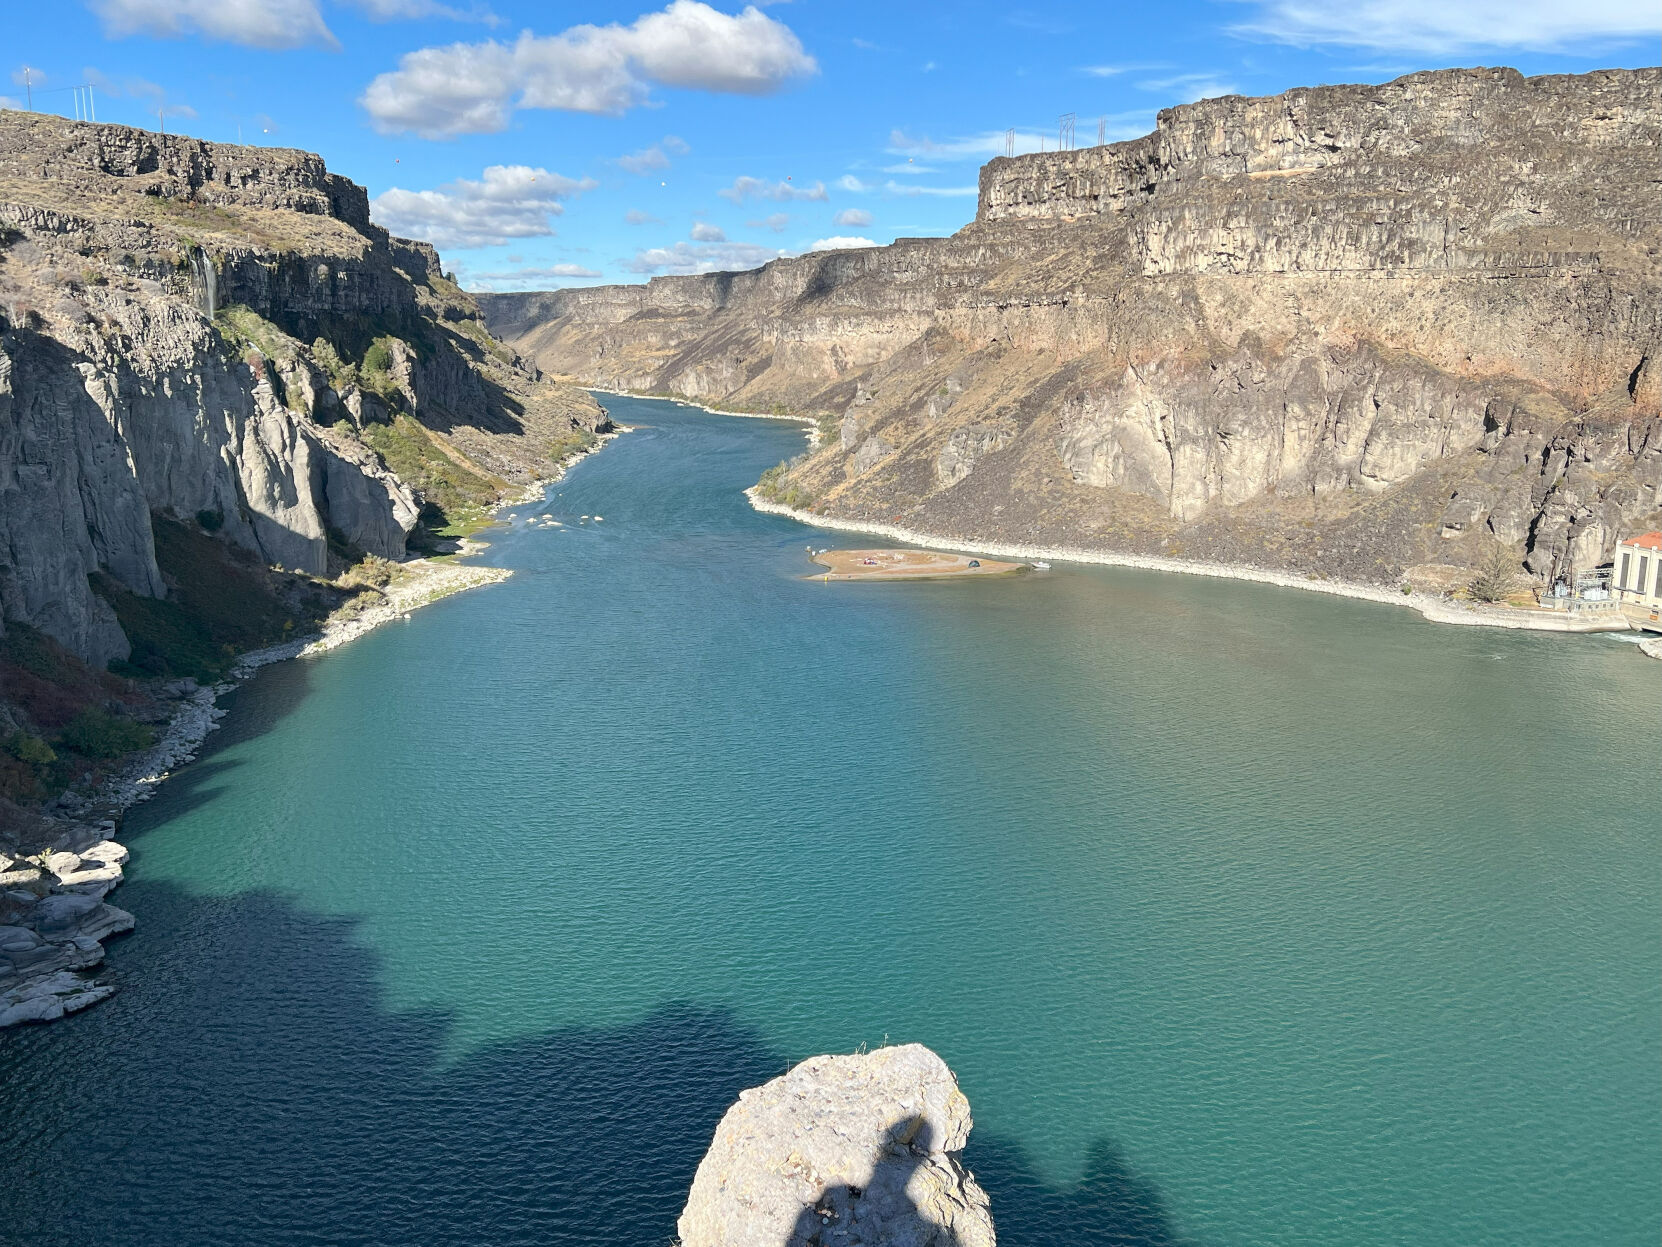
(1649, 541)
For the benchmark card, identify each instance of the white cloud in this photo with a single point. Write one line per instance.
(848, 182)
(512, 201)
(782, 192)
(255, 23)
(398, 10)
(910, 169)
(645, 160)
(553, 275)
(840, 242)
(1113, 71)
(6, 101)
(777, 222)
(856, 217)
(897, 188)
(703, 231)
(977, 147)
(655, 157)
(1187, 88)
(470, 88)
(636, 217)
(684, 258)
(1441, 29)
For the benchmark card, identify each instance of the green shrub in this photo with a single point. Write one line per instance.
(96, 733)
(776, 486)
(31, 750)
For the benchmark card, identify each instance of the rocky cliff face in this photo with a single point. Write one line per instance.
(219, 335)
(842, 1151)
(1357, 332)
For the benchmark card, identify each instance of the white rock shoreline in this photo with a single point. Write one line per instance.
(1433, 607)
(1436, 609)
(53, 917)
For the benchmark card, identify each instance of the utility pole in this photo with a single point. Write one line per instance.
(29, 86)
(1064, 132)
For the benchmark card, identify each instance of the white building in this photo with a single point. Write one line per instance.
(1636, 574)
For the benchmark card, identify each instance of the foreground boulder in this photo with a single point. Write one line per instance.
(850, 1151)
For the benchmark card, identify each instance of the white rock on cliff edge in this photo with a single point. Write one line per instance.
(851, 1151)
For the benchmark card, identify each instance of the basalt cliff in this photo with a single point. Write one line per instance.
(1354, 332)
(193, 329)
(230, 405)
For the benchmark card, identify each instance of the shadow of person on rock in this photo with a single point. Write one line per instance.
(883, 1213)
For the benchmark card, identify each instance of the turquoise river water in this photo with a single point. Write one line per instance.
(1244, 915)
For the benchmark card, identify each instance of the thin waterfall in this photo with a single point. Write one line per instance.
(204, 282)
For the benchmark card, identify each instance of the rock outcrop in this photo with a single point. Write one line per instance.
(1361, 332)
(53, 921)
(201, 330)
(842, 1151)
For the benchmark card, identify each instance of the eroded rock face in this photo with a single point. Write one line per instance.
(1344, 331)
(178, 323)
(851, 1151)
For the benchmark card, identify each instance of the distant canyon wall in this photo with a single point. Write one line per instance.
(1350, 331)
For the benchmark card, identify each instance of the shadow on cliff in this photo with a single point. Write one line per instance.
(248, 1084)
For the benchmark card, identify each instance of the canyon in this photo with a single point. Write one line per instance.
(1378, 334)
(231, 408)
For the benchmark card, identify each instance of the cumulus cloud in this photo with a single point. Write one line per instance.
(531, 278)
(848, 182)
(271, 24)
(684, 258)
(654, 157)
(781, 192)
(776, 222)
(858, 218)
(636, 217)
(840, 242)
(703, 231)
(510, 201)
(1437, 28)
(470, 88)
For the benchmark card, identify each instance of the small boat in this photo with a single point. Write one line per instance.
(1039, 565)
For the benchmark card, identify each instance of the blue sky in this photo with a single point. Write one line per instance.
(543, 145)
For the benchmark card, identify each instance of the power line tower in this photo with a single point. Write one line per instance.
(1102, 132)
(1064, 132)
(1010, 141)
(29, 86)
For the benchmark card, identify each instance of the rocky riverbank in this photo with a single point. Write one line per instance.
(1368, 334)
(1434, 607)
(53, 913)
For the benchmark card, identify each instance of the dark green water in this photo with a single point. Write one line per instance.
(1245, 916)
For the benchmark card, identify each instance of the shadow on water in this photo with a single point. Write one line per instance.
(283, 687)
(247, 1085)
